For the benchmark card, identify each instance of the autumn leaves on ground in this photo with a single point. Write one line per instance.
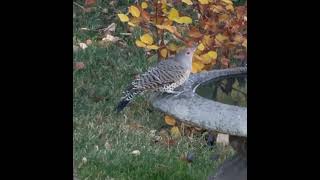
(116, 40)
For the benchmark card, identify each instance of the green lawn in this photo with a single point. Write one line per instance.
(103, 140)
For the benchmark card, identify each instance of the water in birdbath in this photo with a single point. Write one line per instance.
(231, 90)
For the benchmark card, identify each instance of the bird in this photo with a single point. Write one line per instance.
(164, 77)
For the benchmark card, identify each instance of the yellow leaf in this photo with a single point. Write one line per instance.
(227, 2)
(164, 52)
(201, 47)
(169, 28)
(175, 132)
(183, 19)
(212, 54)
(205, 58)
(188, 2)
(134, 11)
(223, 17)
(164, 8)
(230, 7)
(221, 37)
(140, 44)
(197, 66)
(172, 47)
(131, 24)
(144, 5)
(123, 17)
(147, 39)
(203, 1)
(154, 47)
(169, 120)
(173, 14)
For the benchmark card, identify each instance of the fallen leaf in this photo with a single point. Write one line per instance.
(205, 59)
(175, 132)
(172, 47)
(195, 33)
(169, 120)
(123, 17)
(164, 52)
(144, 5)
(221, 37)
(79, 65)
(173, 14)
(154, 47)
(136, 152)
(188, 2)
(131, 24)
(227, 2)
(171, 29)
(140, 44)
(201, 47)
(147, 39)
(197, 66)
(230, 7)
(145, 15)
(110, 38)
(134, 11)
(212, 54)
(203, 1)
(183, 20)
(83, 45)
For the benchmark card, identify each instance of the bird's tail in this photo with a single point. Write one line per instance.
(129, 95)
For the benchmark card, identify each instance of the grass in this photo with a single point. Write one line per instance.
(103, 140)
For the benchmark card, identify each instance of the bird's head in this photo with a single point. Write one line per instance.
(185, 56)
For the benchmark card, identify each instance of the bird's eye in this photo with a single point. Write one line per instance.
(188, 52)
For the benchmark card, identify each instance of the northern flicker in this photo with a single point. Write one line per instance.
(167, 75)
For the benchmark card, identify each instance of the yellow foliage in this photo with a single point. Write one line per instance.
(183, 20)
(173, 14)
(221, 38)
(123, 17)
(205, 58)
(188, 2)
(175, 133)
(227, 2)
(201, 47)
(134, 11)
(172, 47)
(169, 120)
(140, 44)
(131, 24)
(147, 39)
(167, 27)
(203, 1)
(144, 5)
(164, 52)
(154, 47)
(197, 66)
(212, 54)
(230, 7)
